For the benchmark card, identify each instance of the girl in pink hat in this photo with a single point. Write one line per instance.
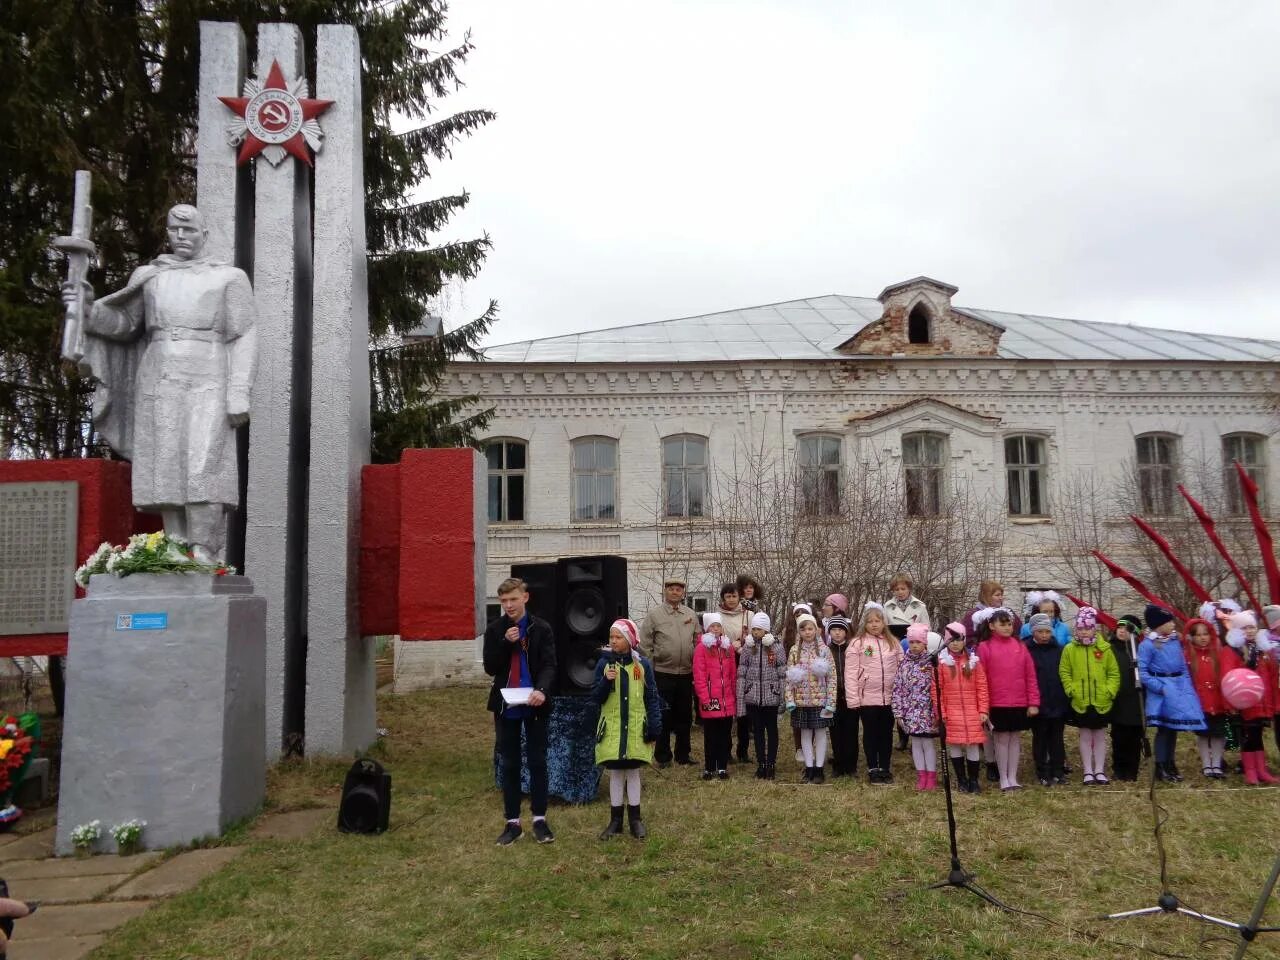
(630, 722)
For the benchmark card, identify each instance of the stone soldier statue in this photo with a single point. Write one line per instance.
(174, 354)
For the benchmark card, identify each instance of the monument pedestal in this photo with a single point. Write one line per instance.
(166, 707)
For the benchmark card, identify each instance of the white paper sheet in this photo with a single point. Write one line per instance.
(516, 696)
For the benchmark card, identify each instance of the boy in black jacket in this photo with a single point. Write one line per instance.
(520, 651)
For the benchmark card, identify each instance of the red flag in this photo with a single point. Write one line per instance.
(1206, 521)
(1187, 577)
(1260, 531)
(1104, 618)
(1122, 574)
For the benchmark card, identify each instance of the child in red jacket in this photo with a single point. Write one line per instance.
(1011, 680)
(1252, 649)
(715, 687)
(964, 703)
(1204, 662)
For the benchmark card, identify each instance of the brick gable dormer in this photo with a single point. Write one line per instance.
(919, 320)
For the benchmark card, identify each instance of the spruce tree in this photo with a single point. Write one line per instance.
(111, 87)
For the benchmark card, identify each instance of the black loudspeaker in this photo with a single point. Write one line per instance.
(580, 597)
(366, 799)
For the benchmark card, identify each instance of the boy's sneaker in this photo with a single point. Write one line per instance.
(509, 835)
(542, 833)
(1046, 782)
(722, 774)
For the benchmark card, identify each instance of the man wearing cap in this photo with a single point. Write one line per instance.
(667, 638)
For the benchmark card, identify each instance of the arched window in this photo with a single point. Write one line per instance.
(1157, 469)
(684, 475)
(918, 324)
(507, 461)
(595, 479)
(923, 465)
(1025, 467)
(820, 467)
(1251, 450)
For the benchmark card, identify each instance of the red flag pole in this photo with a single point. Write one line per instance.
(1187, 577)
(1206, 522)
(1120, 573)
(1265, 546)
(1106, 619)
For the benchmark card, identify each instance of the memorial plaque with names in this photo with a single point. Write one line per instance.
(37, 556)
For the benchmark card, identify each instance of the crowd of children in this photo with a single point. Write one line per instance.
(976, 685)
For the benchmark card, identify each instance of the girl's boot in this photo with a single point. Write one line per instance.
(921, 779)
(1260, 767)
(1250, 771)
(973, 766)
(931, 780)
(614, 829)
(962, 781)
(637, 825)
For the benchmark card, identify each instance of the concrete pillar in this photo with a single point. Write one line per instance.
(340, 670)
(275, 536)
(222, 58)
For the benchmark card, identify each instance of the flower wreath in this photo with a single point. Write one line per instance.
(17, 745)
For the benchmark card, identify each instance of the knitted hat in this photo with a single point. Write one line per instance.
(761, 621)
(709, 618)
(918, 631)
(1132, 621)
(1087, 619)
(932, 642)
(1271, 613)
(805, 618)
(628, 629)
(838, 621)
(955, 630)
(839, 601)
(1156, 617)
(1040, 621)
(801, 606)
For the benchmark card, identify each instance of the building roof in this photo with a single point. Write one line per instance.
(812, 329)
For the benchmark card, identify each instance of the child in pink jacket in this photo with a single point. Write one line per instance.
(870, 666)
(1011, 682)
(715, 687)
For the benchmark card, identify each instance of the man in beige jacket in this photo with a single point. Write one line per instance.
(667, 638)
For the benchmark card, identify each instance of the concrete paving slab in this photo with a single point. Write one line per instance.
(59, 948)
(31, 846)
(66, 889)
(294, 825)
(76, 867)
(77, 920)
(177, 875)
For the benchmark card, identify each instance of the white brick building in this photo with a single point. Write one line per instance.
(1012, 404)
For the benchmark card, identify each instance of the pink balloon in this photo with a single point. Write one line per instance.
(1242, 688)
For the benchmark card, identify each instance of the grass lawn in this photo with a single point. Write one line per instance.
(731, 870)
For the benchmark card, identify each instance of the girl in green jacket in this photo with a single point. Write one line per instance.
(630, 722)
(1091, 678)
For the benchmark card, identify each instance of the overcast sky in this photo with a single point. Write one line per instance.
(1103, 161)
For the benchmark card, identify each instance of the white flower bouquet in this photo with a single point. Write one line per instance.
(146, 553)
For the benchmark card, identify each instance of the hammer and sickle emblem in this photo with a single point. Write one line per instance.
(275, 113)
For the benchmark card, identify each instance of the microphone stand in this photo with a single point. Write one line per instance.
(1167, 901)
(957, 876)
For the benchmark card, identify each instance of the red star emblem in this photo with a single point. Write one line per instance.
(275, 119)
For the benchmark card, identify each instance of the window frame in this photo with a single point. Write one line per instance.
(505, 472)
(940, 468)
(1234, 494)
(597, 472)
(813, 505)
(1023, 471)
(1143, 471)
(685, 470)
